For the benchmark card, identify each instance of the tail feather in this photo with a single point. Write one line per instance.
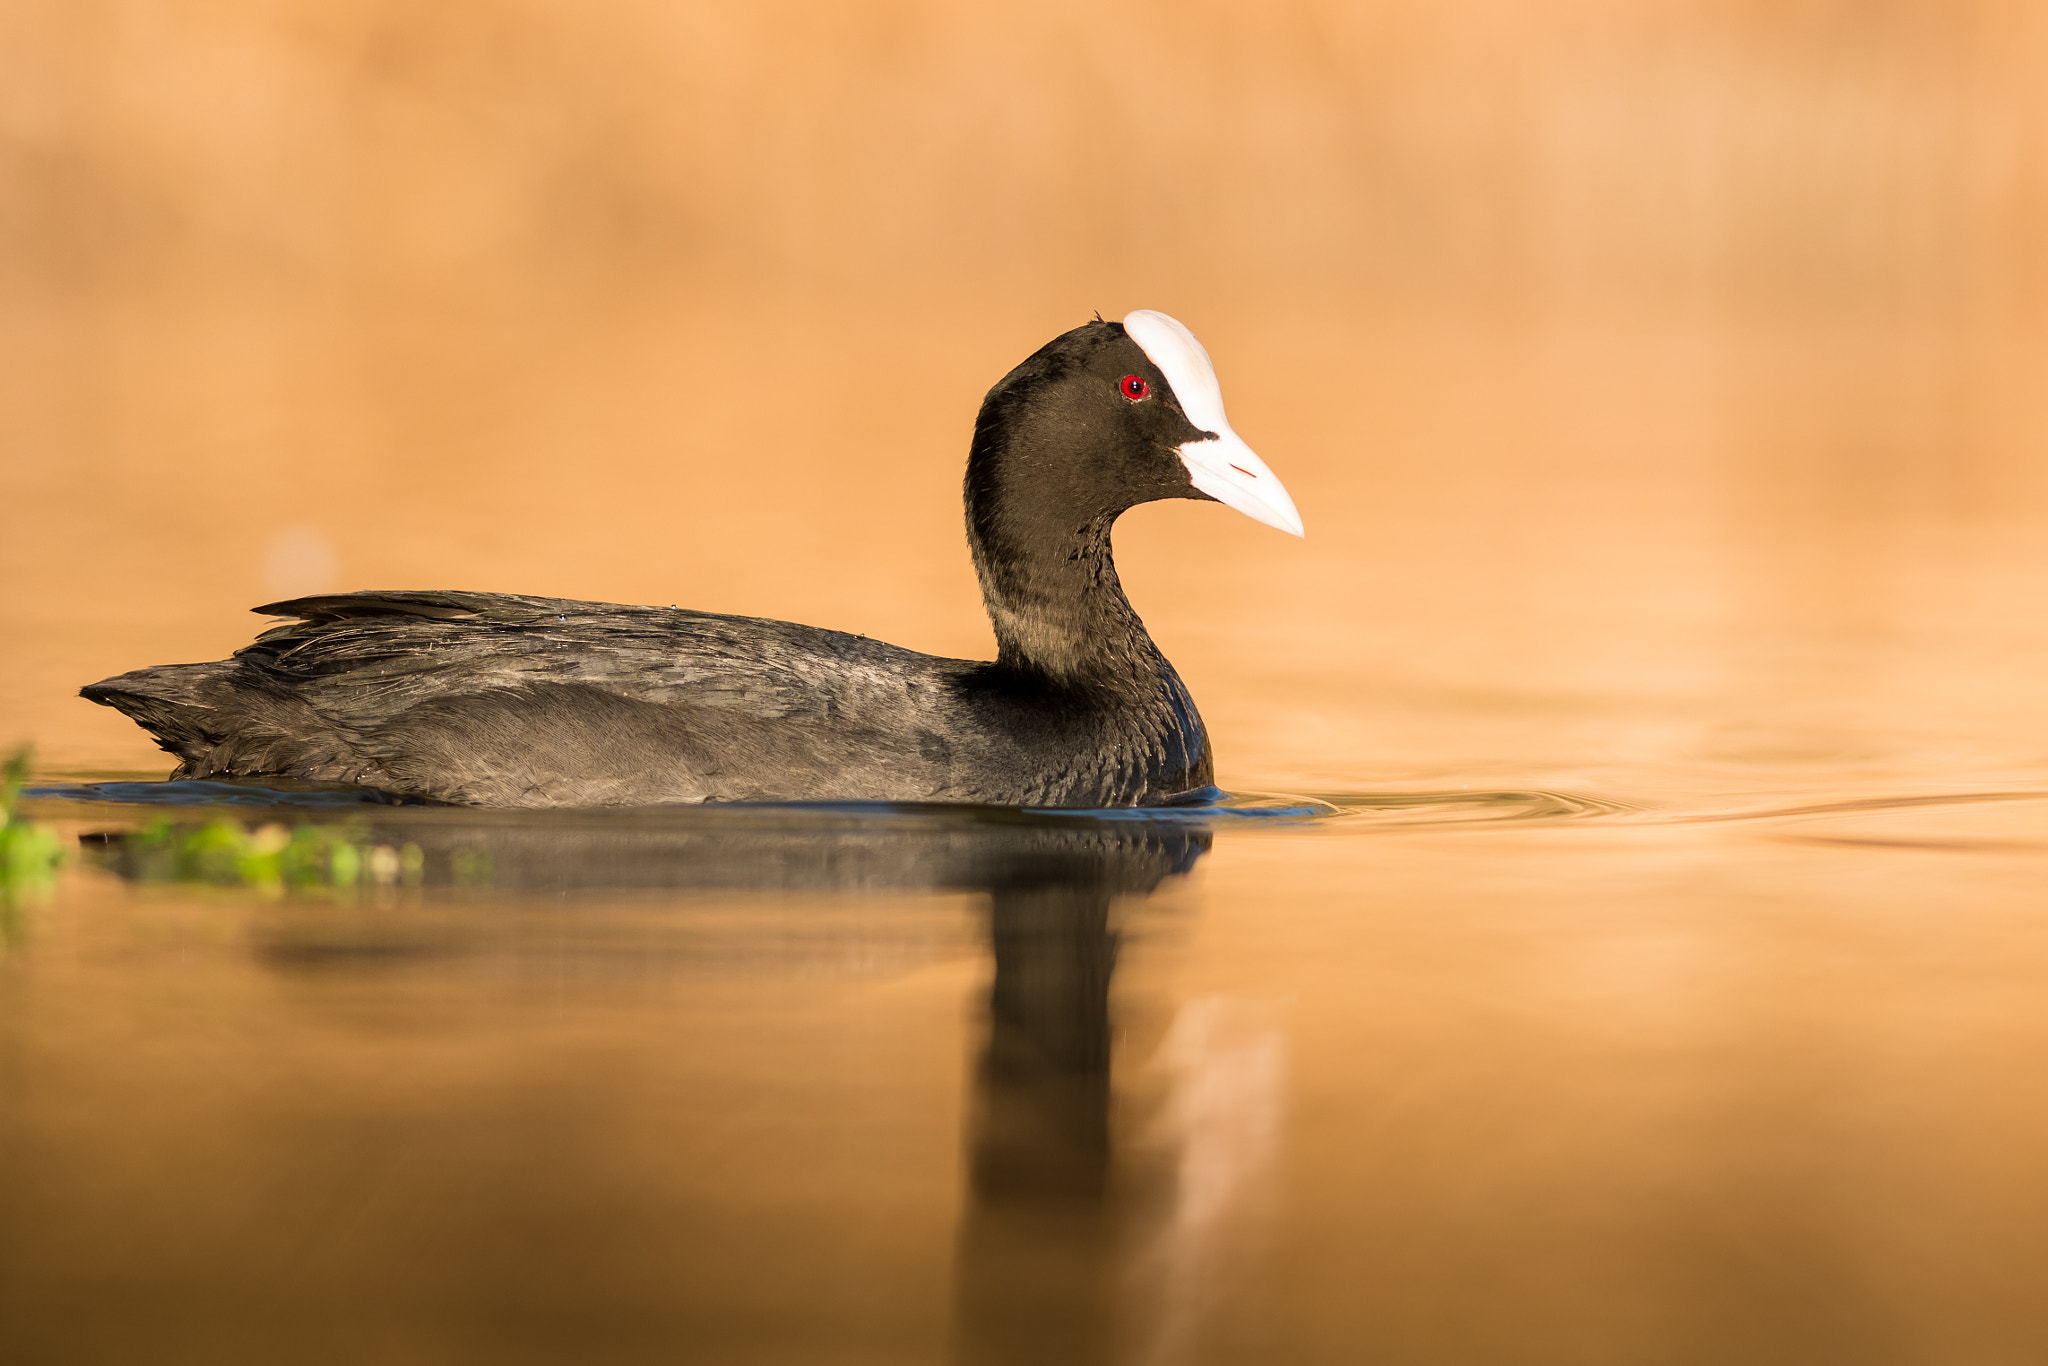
(170, 702)
(218, 726)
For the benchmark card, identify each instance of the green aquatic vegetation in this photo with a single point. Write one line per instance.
(30, 851)
(470, 867)
(270, 856)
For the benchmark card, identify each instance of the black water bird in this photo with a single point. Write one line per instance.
(494, 699)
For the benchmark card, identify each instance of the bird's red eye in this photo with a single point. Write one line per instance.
(1135, 388)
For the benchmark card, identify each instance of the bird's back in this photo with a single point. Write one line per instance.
(497, 699)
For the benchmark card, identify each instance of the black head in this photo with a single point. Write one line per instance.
(1096, 421)
(1111, 415)
(1085, 428)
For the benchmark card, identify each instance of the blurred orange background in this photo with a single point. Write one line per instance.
(1664, 384)
(1661, 382)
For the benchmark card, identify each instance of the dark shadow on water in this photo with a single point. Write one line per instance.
(677, 848)
(1037, 1256)
(1211, 806)
(1038, 1245)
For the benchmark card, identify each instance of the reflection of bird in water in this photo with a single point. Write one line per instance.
(1060, 1255)
(1063, 1257)
(499, 700)
(1037, 1257)
(795, 848)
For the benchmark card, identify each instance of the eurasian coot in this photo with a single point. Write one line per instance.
(492, 699)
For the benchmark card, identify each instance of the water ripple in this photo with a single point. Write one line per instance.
(1470, 807)
(1212, 808)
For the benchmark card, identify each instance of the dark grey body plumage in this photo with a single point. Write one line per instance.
(501, 700)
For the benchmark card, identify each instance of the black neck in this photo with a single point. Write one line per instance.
(1049, 581)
